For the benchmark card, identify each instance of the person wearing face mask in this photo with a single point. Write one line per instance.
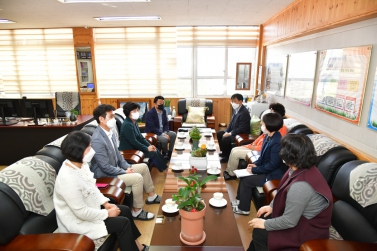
(156, 122)
(269, 165)
(239, 124)
(108, 162)
(132, 139)
(240, 152)
(80, 207)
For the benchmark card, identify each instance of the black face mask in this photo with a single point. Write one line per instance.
(161, 107)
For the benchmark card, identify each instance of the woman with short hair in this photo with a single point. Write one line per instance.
(132, 139)
(268, 166)
(302, 207)
(80, 207)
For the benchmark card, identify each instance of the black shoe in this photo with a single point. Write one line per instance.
(224, 160)
(227, 176)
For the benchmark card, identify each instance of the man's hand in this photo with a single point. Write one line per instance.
(227, 134)
(167, 136)
(151, 148)
(129, 170)
(107, 205)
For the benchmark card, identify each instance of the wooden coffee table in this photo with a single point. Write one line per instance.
(219, 223)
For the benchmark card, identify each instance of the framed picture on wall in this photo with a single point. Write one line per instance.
(89, 55)
(83, 55)
(145, 105)
(243, 76)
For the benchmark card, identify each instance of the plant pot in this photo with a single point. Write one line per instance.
(73, 117)
(200, 163)
(192, 225)
(167, 109)
(195, 144)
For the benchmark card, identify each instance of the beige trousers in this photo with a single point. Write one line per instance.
(139, 180)
(236, 154)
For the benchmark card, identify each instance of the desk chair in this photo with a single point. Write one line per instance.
(66, 101)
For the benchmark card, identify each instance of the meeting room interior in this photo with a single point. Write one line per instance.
(61, 59)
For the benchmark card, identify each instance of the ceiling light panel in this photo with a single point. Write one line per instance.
(129, 18)
(6, 21)
(102, 1)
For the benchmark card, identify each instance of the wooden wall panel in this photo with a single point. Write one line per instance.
(221, 107)
(304, 17)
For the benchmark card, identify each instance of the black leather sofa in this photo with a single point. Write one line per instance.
(24, 230)
(355, 224)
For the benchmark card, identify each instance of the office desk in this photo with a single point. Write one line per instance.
(19, 141)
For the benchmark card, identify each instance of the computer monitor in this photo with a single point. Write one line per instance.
(10, 108)
(38, 108)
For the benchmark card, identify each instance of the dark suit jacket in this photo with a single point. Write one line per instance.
(152, 124)
(131, 137)
(107, 162)
(269, 162)
(240, 122)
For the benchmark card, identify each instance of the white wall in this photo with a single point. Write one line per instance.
(358, 34)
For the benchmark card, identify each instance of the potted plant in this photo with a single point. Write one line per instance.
(167, 106)
(192, 208)
(198, 158)
(73, 116)
(195, 136)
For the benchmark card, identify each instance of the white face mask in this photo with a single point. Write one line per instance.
(88, 157)
(135, 115)
(264, 130)
(235, 106)
(111, 123)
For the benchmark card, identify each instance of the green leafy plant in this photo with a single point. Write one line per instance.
(188, 197)
(195, 133)
(200, 152)
(167, 103)
(73, 111)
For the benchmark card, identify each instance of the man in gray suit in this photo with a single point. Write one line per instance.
(108, 162)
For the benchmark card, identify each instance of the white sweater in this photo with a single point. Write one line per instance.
(78, 201)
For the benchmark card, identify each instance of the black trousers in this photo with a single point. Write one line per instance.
(225, 143)
(125, 229)
(260, 240)
(157, 159)
(245, 187)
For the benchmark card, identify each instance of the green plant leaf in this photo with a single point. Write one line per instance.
(208, 178)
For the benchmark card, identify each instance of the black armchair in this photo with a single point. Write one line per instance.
(180, 119)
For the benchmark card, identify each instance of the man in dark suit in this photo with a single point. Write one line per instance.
(157, 123)
(239, 124)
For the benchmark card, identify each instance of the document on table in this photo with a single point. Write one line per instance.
(242, 173)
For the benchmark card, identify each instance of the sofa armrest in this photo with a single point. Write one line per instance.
(133, 156)
(178, 120)
(329, 245)
(244, 139)
(151, 137)
(112, 182)
(66, 242)
(115, 194)
(268, 188)
(211, 122)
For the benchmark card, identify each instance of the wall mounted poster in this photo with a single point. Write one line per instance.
(275, 77)
(372, 120)
(341, 82)
(300, 77)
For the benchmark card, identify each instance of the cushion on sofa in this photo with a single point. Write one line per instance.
(196, 115)
(255, 125)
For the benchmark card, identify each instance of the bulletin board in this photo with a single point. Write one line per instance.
(275, 75)
(300, 77)
(372, 120)
(341, 82)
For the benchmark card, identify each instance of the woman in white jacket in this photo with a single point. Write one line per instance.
(80, 206)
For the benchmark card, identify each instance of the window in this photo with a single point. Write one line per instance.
(136, 61)
(37, 62)
(207, 58)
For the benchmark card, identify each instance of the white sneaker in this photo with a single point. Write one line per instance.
(235, 203)
(236, 210)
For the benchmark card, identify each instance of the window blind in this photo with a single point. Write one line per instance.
(238, 36)
(37, 62)
(136, 61)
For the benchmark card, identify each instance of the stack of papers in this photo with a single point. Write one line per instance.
(242, 173)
